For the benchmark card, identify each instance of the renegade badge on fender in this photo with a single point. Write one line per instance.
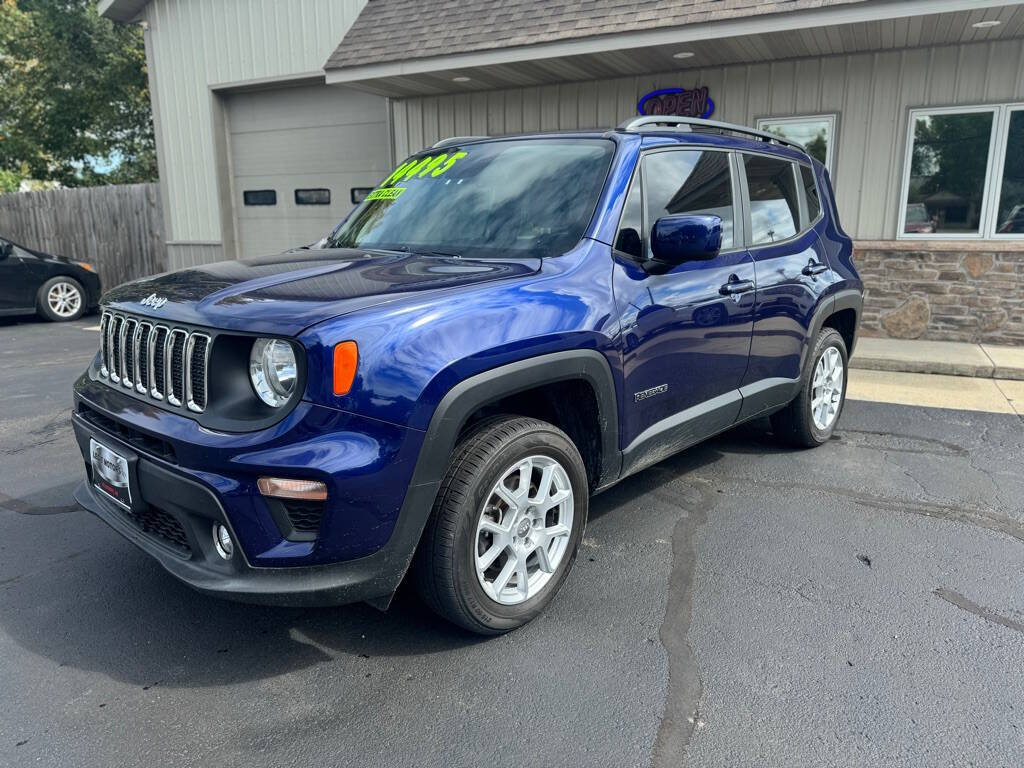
(503, 328)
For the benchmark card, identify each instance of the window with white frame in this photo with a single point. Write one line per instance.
(964, 173)
(816, 132)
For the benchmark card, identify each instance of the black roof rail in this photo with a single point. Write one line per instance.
(677, 123)
(456, 140)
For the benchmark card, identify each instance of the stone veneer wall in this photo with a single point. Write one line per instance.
(943, 291)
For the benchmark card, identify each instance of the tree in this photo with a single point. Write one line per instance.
(818, 146)
(74, 98)
(950, 153)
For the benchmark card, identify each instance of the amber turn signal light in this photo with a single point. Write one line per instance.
(283, 488)
(346, 358)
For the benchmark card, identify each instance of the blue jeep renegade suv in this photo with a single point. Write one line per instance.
(502, 329)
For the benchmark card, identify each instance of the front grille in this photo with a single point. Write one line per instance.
(161, 362)
(157, 523)
(163, 526)
(135, 438)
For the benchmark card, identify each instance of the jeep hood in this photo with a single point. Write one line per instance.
(287, 293)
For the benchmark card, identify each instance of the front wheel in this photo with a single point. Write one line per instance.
(61, 299)
(809, 420)
(505, 527)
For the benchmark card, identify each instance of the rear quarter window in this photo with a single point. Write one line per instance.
(811, 192)
(774, 200)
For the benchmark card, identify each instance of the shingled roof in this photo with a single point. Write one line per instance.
(400, 30)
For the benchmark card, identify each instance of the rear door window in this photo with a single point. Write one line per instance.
(774, 201)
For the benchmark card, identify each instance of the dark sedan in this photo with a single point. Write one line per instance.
(55, 287)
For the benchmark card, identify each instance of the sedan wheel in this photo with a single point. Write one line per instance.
(60, 299)
(64, 299)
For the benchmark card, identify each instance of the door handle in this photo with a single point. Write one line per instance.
(734, 287)
(814, 268)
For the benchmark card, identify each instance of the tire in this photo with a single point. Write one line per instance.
(470, 518)
(61, 299)
(796, 424)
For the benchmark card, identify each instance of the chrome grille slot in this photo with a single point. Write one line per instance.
(175, 366)
(114, 364)
(157, 354)
(158, 361)
(142, 358)
(197, 352)
(104, 346)
(127, 347)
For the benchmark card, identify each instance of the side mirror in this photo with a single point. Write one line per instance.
(5, 249)
(682, 237)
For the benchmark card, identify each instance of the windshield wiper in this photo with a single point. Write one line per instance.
(430, 252)
(447, 254)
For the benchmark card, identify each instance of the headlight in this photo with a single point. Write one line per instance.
(273, 371)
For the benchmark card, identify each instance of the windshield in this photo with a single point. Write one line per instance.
(524, 197)
(917, 214)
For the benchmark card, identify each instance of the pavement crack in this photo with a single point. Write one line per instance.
(685, 687)
(887, 457)
(956, 599)
(928, 445)
(968, 515)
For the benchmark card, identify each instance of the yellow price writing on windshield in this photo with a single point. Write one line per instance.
(431, 165)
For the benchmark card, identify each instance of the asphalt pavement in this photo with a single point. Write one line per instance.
(737, 605)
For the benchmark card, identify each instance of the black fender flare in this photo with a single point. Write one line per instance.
(477, 391)
(455, 408)
(849, 298)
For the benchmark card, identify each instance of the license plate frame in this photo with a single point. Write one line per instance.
(111, 473)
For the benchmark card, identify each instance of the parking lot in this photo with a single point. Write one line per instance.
(737, 605)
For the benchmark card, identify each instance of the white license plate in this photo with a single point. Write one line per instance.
(110, 474)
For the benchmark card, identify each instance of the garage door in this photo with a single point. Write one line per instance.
(296, 155)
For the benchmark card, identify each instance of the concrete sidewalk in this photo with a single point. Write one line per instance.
(958, 393)
(987, 361)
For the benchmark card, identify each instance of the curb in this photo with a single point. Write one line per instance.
(942, 367)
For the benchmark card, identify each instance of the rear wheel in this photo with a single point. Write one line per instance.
(809, 420)
(61, 299)
(505, 527)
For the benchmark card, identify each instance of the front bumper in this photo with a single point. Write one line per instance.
(371, 578)
(366, 540)
(93, 290)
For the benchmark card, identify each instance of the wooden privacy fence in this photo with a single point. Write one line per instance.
(118, 229)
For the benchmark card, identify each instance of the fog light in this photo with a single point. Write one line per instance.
(222, 541)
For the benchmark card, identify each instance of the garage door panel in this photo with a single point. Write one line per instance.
(321, 105)
(263, 238)
(307, 150)
(310, 137)
(339, 184)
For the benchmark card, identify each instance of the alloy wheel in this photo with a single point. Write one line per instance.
(523, 531)
(827, 388)
(64, 299)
